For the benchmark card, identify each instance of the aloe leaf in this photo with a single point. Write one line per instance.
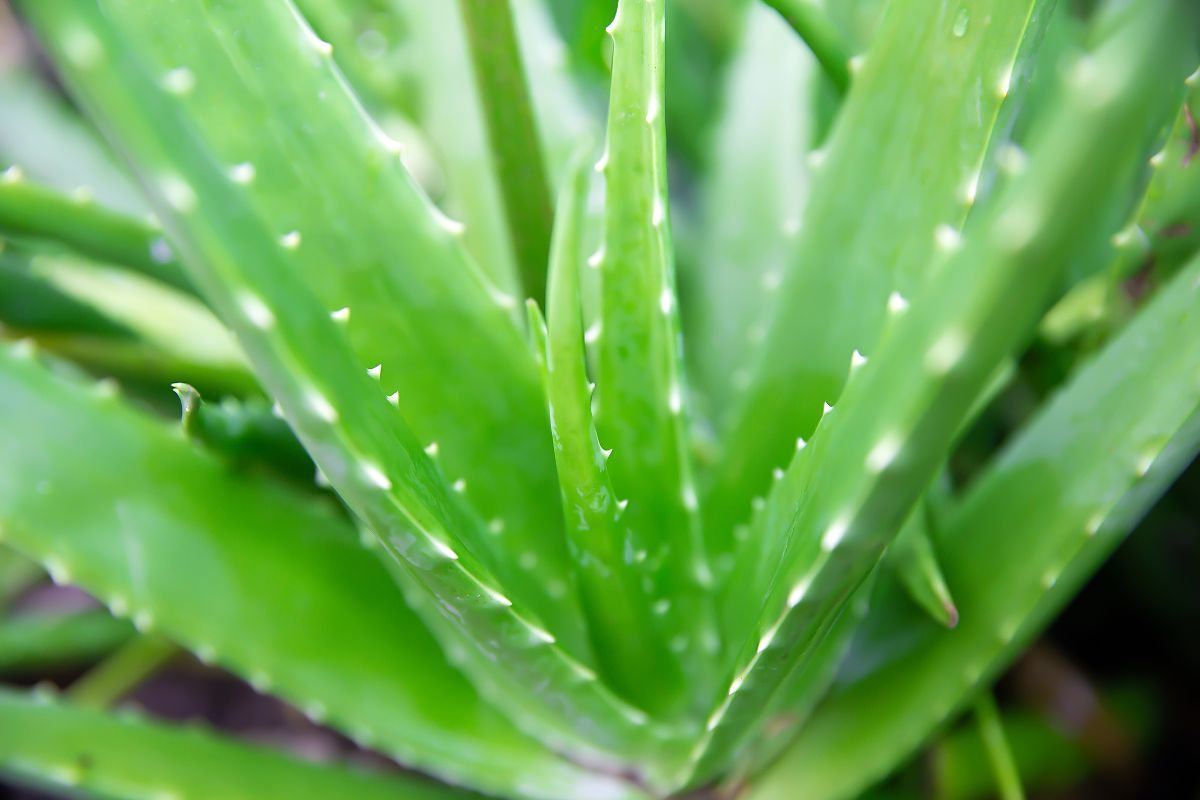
(56, 746)
(640, 386)
(1004, 767)
(37, 644)
(804, 687)
(850, 490)
(629, 649)
(1159, 236)
(449, 112)
(913, 557)
(526, 649)
(267, 119)
(182, 552)
(508, 119)
(1170, 213)
(372, 45)
(739, 245)
(919, 574)
(181, 331)
(1020, 542)
(27, 209)
(29, 304)
(117, 323)
(876, 205)
(247, 433)
(121, 671)
(823, 38)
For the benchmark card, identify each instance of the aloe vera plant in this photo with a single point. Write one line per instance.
(611, 488)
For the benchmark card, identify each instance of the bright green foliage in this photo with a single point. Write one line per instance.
(639, 382)
(183, 525)
(876, 202)
(627, 642)
(30, 210)
(916, 565)
(55, 746)
(33, 643)
(528, 556)
(1063, 494)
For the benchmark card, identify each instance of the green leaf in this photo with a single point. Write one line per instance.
(823, 38)
(33, 645)
(629, 647)
(175, 329)
(1170, 214)
(525, 649)
(1000, 756)
(227, 106)
(122, 671)
(247, 576)
(1020, 542)
(913, 557)
(58, 747)
(449, 113)
(27, 209)
(750, 204)
(640, 394)
(30, 304)
(847, 494)
(937, 82)
(507, 112)
(247, 433)
(370, 45)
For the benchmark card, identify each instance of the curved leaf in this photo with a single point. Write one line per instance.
(1022, 539)
(53, 745)
(263, 582)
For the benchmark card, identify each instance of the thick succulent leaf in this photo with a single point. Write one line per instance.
(910, 561)
(742, 247)
(372, 44)
(247, 433)
(526, 642)
(246, 576)
(115, 322)
(39, 644)
(1020, 542)
(449, 112)
(52, 745)
(630, 651)
(1170, 215)
(512, 132)
(123, 670)
(1161, 234)
(936, 81)
(29, 304)
(247, 100)
(850, 490)
(913, 557)
(640, 390)
(999, 753)
(27, 209)
(803, 688)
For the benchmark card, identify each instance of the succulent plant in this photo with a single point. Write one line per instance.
(554, 554)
